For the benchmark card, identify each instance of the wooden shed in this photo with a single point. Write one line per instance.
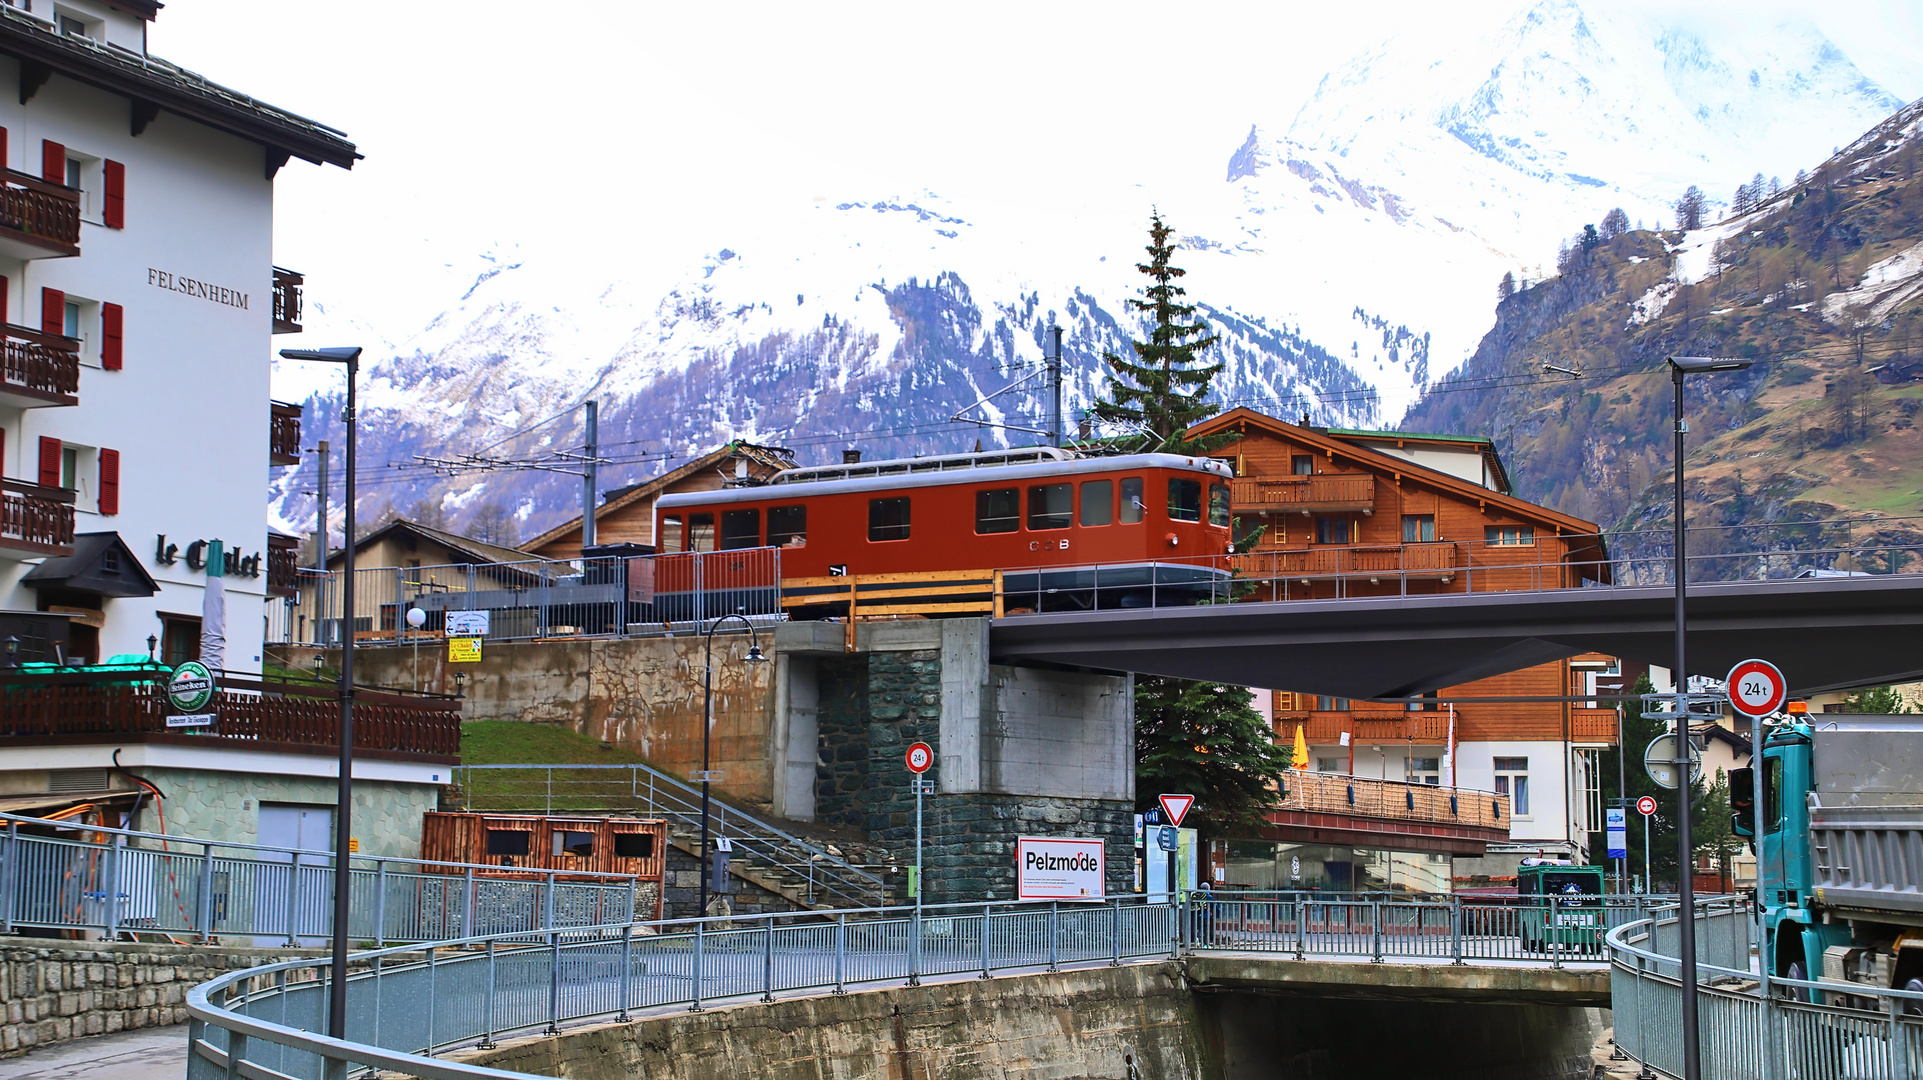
(529, 845)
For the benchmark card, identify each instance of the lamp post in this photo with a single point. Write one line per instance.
(344, 805)
(707, 727)
(1680, 366)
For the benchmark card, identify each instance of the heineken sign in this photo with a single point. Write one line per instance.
(191, 688)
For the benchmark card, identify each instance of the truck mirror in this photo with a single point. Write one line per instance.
(1742, 802)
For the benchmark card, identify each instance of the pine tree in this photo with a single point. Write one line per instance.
(1205, 739)
(1165, 388)
(1505, 288)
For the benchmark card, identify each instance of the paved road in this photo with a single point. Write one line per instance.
(145, 1054)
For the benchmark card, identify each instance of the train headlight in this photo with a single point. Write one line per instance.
(1173, 540)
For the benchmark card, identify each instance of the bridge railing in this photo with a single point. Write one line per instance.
(1802, 1028)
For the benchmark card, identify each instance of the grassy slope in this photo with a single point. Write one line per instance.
(502, 742)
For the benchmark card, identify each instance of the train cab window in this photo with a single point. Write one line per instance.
(740, 529)
(700, 532)
(787, 526)
(638, 845)
(1219, 505)
(1185, 500)
(1098, 502)
(580, 844)
(1051, 506)
(888, 519)
(670, 538)
(1133, 505)
(998, 510)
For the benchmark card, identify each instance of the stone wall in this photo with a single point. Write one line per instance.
(683, 889)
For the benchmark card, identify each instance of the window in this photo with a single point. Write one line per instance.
(1219, 505)
(69, 466)
(179, 639)
(787, 526)
(700, 532)
(507, 842)
(1335, 530)
(636, 845)
(1512, 779)
(888, 519)
(71, 324)
(1243, 527)
(1425, 770)
(1331, 764)
(414, 571)
(1133, 508)
(1098, 502)
(740, 529)
(578, 844)
(1510, 535)
(1302, 464)
(1325, 703)
(1772, 794)
(998, 510)
(1418, 528)
(1427, 704)
(670, 538)
(1185, 500)
(1051, 506)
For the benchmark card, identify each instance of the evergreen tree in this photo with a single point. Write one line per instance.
(1879, 701)
(1505, 288)
(1689, 209)
(1205, 739)
(1165, 388)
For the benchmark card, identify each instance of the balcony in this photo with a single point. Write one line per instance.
(283, 565)
(1326, 493)
(39, 219)
(1333, 808)
(35, 520)
(1368, 724)
(283, 437)
(38, 370)
(1377, 563)
(1595, 727)
(69, 707)
(287, 285)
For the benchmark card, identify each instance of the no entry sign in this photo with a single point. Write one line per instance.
(1756, 688)
(1646, 806)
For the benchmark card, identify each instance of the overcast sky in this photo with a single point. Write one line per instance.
(485, 121)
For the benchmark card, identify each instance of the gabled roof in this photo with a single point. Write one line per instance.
(1376, 461)
(474, 551)
(772, 458)
(1491, 460)
(101, 563)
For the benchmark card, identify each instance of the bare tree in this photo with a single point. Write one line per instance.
(1689, 209)
(493, 523)
(1614, 224)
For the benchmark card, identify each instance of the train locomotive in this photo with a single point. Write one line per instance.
(1069, 532)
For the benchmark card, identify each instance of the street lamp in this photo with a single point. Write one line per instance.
(344, 805)
(707, 727)
(1680, 366)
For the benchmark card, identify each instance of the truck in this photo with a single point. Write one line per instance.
(1840, 855)
(1561, 906)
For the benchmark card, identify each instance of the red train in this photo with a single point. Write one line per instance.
(1072, 532)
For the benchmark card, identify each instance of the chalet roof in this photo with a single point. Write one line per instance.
(1488, 447)
(773, 458)
(474, 551)
(1378, 462)
(101, 563)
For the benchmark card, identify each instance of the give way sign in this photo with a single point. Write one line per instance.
(1176, 807)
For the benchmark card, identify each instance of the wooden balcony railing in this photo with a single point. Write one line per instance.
(1593, 726)
(36, 519)
(283, 565)
(40, 368)
(42, 215)
(283, 436)
(1393, 800)
(83, 706)
(1367, 724)
(1380, 561)
(1326, 492)
(287, 285)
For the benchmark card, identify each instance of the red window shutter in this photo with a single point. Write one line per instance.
(49, 462)
(110, 320)
(110, 481)
(3, 300)
(53, 161)
(53, 311)
(3, 148)
(114, 178)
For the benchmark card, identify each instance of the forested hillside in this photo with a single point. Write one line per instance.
(1820, 283)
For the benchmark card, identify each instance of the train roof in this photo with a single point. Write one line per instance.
(902, 473)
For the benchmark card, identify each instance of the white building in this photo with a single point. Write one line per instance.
(138, 286)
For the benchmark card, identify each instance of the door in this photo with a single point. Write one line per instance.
(294, 897)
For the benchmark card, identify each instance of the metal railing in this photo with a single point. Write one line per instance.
(57, 875)
(1395, 800)
(1802, 1030)
(820, 875)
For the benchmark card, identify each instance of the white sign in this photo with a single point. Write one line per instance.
(1646, 806)
(205, 719)
(1050, 868)
(1176, 807)
(467, 624)
(1616, 825)
(1756, 688)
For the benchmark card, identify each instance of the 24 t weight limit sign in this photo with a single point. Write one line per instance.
(1756, 688)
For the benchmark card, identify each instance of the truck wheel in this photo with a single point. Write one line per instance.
(1913, 1008)
(1796, 971)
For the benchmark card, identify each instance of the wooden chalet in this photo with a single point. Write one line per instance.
(626, 514)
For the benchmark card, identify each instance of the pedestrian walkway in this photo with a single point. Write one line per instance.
(142, 1054)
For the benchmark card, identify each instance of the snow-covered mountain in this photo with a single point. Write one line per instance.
(1347, 251)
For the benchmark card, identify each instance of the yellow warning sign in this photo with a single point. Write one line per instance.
(463, 650)
(353, 843)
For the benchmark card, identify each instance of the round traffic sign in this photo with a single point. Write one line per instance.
(1659, 761)
(1756, 688)
(191, 687)
(920, 757)
(1646, 805)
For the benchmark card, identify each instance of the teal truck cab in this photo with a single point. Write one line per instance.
(1561, 906)
(1840, 858)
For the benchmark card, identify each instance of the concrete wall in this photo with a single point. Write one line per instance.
(226, 806)
(1060, 734)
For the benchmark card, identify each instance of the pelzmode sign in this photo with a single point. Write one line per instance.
(1053, 868)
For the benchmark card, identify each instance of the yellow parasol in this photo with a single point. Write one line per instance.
(1299, 759)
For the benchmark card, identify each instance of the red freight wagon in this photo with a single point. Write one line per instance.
(1069, 532)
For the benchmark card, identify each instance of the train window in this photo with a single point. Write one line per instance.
(888, 519)
(670, 538)
(1133, 506)
(700, 532)
(1051, 506)
(507, 842)
(636, 845)
(1185, 500)
(1219, 505)
(998, 510)
(787, 526)
(579, 844)
(1098, 502)
(740, 529)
